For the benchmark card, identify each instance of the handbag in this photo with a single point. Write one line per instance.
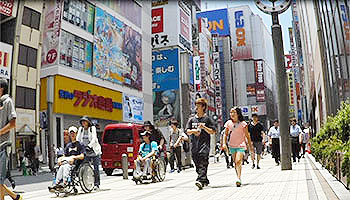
(186, 146)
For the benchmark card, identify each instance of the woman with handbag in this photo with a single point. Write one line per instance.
(88, 137)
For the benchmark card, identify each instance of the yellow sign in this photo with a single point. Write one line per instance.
(79, 98)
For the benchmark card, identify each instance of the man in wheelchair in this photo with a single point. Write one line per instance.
(147, 150)
(73, 156)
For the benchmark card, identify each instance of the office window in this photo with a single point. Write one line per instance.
(79, 13)
(27, 56)
(31, 18)
(25, 98)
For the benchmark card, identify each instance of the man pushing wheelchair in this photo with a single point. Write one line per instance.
(73, 156)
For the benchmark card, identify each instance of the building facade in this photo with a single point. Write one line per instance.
(96, 61)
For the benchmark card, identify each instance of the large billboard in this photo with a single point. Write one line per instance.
(166, 84)
(52, 29)
(171, 25)
(132, 108)
(165, 67)
(5, 60)
(117, 51)
(241, 33)
(217, 21)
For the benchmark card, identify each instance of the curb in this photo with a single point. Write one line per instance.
(338, 188)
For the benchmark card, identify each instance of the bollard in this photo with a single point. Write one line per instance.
(125, 166)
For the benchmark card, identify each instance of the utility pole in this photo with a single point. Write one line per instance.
(281, 78)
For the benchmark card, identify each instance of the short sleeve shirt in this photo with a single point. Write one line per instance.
(145, 148)
(201, 143)
(156, 136)
(256, 132)
(295, 130)
(7, 113)
(74, 149)
(237, 134)
(274, 132)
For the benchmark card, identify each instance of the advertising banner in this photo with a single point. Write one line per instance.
(194, 96)
(117, 51)
(241, 34)
(165, 70)
(197, 72)
(217, 84)
(259, 109)
(345, 23)
(5, 60)
(8, 7)
(251, 92)
(288, 61)
(217, 21)
(132, 108)
(166, 105)
(259, 81)
(290, 77)
(173, 28)
(80, 98)
(52, 29)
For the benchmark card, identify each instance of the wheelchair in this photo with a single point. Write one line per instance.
(80, 175)
(158, 171)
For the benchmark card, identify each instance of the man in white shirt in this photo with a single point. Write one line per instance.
(295, 133)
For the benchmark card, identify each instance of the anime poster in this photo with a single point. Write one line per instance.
(132, 108)
(117, 51)
(166, 106)
(194, 96)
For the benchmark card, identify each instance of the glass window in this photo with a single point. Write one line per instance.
(117, 136)
(30, 98)
(25, 98)
(22, 55)
(20, 97)
(31, 18)
(8, 31)
(79, 13)
(75, 52)
(32, 56)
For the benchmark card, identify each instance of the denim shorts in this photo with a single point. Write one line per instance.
(234, 150)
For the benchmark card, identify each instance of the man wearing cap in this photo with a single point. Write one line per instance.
(146, 151)
(199, 129)
(87, 136)
(73, 153)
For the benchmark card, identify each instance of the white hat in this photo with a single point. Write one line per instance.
(72, 128)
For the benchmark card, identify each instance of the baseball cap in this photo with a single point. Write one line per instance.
(72, 128)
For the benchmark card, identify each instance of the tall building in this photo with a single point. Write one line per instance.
(20, 49)
(325, 41)
(96, 61)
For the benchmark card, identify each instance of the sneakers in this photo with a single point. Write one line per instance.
(228, 166)
(257, 167)
(199, 185)
(172, 171)
(19, 197)
(253, 166)
(179, 170)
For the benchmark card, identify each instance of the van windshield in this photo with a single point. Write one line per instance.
(116, 136)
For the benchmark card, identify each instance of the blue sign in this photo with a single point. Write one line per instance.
(190, 63)
(165, 70)
(217, 21)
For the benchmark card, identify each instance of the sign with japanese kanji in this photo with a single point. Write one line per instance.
(80, 98)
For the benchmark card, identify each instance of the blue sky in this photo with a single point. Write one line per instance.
(284, 18)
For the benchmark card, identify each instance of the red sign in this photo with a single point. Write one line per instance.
(95, 101)
(6, 7)
(157, 20)
(288, 59)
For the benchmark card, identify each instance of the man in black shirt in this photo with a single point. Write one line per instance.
(256, 130)
(199, 129)
(73, 154)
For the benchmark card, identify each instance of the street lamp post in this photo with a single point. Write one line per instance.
(281, 77)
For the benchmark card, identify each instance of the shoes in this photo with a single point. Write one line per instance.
(13, 183)
(97, 188)
(253, 166)
(172, 171)
(52, 188)
(179, 170)
(19, 197)
(228, 166)
(277, 163)
(238, 183)
(257, 167)
(303, 156)
(298, 159)
(199, 185)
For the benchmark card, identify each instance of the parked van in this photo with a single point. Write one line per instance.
(118, 139)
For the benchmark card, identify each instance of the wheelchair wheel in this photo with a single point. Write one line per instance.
(86, 177)
(160, 170)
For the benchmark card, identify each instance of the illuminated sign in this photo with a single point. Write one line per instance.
(197, 72)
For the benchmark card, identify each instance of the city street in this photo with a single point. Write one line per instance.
(303, 182)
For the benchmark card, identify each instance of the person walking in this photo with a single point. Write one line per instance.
(305, 138)
(88, 137)
(237, 129)
(256, 130)
(295, 134)
(7, 122)
(274, 137)
(176, 137)
(199, 129)
(224, 151)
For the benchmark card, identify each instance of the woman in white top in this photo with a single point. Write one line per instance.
(87, 136)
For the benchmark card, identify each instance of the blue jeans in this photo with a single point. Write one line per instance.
(96, 162)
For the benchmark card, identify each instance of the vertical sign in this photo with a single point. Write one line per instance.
(259, 81)
(5, 60)
(132, 108)
(157, 20)
(197, 72)
(290, 77)
(239, 19)
(217, 84)
(52, 28)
